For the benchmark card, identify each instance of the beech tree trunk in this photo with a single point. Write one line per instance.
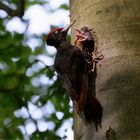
(117, 26)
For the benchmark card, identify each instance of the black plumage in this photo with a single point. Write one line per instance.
(72, 68)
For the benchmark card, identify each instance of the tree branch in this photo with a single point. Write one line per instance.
(21, 8)
(11, 12)
(7, 9)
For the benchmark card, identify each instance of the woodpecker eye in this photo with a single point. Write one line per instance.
(56, 32)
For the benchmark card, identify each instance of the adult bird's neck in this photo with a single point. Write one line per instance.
(64, 44)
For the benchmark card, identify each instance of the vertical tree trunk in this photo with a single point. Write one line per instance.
(117, 25)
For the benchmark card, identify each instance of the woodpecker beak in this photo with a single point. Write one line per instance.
(65, 30)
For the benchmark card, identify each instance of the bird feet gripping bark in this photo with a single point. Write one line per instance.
(97, 56)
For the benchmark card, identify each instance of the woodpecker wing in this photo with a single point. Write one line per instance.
(69, 87)
(79, 77)
(71, 66)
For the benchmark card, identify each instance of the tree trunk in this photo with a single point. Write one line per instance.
(117, 26)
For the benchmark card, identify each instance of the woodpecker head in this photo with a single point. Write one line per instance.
(57, 36)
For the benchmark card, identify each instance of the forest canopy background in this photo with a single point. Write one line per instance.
(33, 101)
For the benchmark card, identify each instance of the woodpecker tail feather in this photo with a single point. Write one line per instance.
(93, 111)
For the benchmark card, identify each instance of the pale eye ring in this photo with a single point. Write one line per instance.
(56, 32)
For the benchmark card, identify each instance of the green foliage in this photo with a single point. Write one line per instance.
(17, 88)
(64, 6)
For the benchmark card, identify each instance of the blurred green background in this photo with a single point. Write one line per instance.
(33, 103)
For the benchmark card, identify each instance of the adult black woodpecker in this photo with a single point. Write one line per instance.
(72, 68)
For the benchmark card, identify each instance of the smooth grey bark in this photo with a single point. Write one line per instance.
(117, 26)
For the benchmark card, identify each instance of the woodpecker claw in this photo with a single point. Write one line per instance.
(97, 56)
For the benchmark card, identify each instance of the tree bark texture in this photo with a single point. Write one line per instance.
(117, 27)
